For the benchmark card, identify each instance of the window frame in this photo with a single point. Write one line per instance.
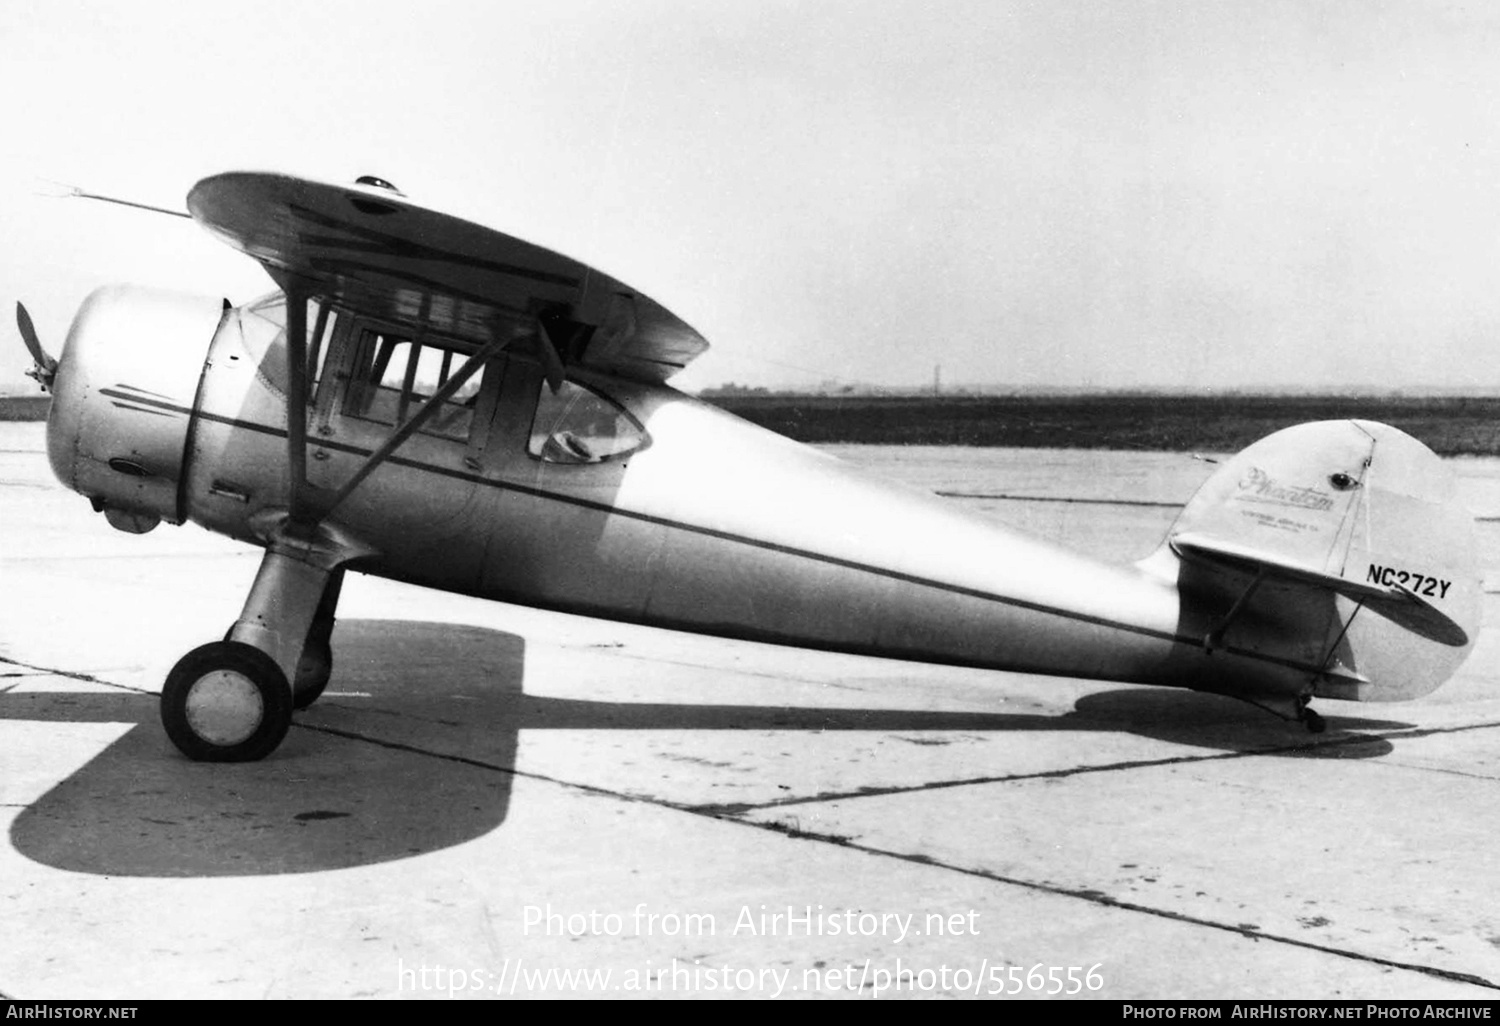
(366, 339)
(598, 393)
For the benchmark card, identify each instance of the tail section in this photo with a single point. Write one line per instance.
(1342, 545)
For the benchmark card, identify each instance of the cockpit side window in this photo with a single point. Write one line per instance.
(393, 376)
(263, 333)
(579, 425)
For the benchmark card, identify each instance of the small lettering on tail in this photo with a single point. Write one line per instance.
(1417, 584)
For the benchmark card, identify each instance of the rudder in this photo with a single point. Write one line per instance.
(1358, 511)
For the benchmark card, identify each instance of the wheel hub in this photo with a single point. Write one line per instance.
(224, 707)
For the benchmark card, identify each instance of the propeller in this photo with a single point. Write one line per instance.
(46, 367)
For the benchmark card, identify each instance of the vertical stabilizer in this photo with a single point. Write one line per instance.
(1359, 513)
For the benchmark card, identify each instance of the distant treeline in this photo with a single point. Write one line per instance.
(1451, 425)
(24, 407)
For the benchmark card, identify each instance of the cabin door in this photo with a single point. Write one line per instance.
(372, 379)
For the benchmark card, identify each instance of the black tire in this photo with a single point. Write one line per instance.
(313, 671)
(249, 720)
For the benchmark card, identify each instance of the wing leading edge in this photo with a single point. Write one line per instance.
(370, 250)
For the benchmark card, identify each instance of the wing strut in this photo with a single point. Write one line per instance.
(1215, 638)
(422, 416)
(551, 362)
(1331, 665)
(296, 406)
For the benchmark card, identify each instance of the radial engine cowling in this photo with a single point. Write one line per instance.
(123, 400)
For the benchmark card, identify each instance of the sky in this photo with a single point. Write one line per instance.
(1065, 193)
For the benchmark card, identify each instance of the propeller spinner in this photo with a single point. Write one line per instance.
(46, 367)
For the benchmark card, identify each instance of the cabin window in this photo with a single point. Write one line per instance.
(263, 329)
(578, 425)
(322, 320)
(393, 376)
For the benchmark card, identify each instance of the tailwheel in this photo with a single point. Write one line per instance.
(226, 702)
(1314, 723)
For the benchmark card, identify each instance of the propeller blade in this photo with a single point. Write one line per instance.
(46, 367)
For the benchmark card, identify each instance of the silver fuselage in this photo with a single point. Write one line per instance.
(713, 525)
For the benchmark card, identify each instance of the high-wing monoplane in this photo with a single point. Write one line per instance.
(433, 401)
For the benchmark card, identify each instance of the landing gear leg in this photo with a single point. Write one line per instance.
(316, 663)
(1288, 708)
(1314, 723)
(231, 701)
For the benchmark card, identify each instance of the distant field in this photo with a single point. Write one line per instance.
(24, 407)
(1449, 425)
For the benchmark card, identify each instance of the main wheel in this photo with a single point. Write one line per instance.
(226, 702)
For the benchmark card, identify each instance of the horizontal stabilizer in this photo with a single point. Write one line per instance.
(1395, 602)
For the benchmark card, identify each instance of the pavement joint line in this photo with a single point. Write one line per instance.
(739, 808)
(1098, 898)
(1093, 897)
(1439, 769)
(1060, 498)
(467, 760)
(87, 678)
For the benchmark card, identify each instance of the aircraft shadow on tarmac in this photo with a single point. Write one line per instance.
(410, 751)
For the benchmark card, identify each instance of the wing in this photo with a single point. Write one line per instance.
(370, 250)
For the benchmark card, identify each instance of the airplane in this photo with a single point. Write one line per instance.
(429, 400)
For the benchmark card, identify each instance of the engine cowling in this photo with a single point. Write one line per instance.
(124, 397)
